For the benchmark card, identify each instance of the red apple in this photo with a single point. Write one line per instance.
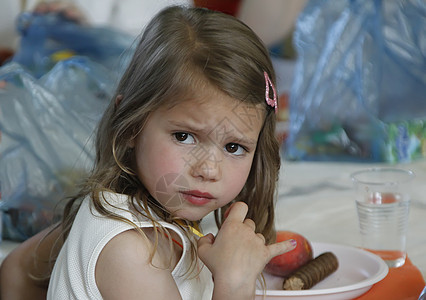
(286, 263)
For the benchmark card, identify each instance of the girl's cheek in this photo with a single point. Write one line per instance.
(170, 162)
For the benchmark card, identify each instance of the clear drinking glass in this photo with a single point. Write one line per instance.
(383, 201)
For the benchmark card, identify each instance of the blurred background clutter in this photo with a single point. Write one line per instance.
(60, 62)
(350, 75)
(359, 87)
(352, 90)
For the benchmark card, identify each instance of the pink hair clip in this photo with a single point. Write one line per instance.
(269, 100)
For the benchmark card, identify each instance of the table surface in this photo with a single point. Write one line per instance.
(315, 199)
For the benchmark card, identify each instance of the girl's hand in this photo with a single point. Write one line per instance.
(237, 255)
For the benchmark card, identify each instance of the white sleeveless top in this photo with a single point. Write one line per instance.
(73, 275)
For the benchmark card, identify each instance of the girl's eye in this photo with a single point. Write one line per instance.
(184, 137)
(235, 149)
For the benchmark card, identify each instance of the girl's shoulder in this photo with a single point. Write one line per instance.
(151, 234)
(139, 264)
(135, 255)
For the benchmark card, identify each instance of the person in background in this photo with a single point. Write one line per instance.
(132, 231)
(272, 20)
(126, 15)
(129, 16)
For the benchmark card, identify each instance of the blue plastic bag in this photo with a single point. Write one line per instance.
(57, 86)
(49, 38)
(46, 145)
(359, 91)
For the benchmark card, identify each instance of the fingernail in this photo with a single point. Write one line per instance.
(293, 243)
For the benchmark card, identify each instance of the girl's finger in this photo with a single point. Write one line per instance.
(281, 247)
(206, 240)
(250, 223)
(237, 212)
(261, 237)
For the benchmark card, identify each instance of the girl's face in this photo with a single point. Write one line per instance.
(196, 156)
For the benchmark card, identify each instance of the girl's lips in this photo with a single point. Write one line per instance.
(197, 197)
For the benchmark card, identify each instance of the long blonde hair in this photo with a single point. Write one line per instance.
(178, 48)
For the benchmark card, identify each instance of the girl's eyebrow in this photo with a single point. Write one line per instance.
(191, 126)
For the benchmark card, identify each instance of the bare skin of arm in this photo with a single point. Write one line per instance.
(236, 256)
(15, 280)
(277, 17)
(127, 256)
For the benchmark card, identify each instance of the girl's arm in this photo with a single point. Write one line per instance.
(272, 20)
(237, 255)
(124, 270)
(15, 280)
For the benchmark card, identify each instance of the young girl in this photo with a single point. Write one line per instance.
(189, 132)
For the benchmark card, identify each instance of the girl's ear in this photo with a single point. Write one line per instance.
(118, 100)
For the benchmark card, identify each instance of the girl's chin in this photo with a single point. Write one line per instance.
(190, 215)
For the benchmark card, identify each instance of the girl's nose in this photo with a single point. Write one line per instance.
(207, 167)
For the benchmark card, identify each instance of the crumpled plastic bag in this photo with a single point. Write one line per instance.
(359, 90)
(49, 38)
(52, 94)
(46, 145)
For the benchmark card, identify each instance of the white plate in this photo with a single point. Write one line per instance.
(358, 270)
